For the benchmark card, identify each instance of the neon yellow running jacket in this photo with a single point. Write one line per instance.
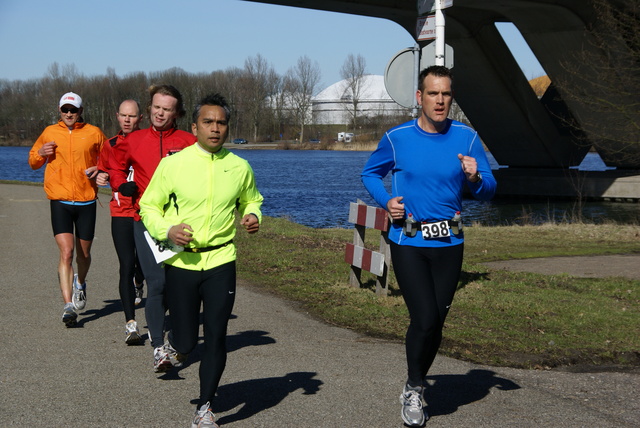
(202, 190)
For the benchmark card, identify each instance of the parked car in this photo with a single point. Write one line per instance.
(314, 140)
(345, 137)
(239, 141)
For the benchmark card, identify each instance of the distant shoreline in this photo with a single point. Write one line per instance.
(293, 145)
(283, 145)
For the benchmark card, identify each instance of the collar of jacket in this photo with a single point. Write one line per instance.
(76, 125)
(222, 152)
(165, 133)
(116, 138)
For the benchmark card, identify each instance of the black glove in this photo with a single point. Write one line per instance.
(128, 188)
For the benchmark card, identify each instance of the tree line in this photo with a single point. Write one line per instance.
(266, 106)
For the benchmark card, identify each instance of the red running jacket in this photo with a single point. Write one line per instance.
(120, 206)
(142, 150)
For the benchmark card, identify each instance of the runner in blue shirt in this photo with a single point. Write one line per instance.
(432, 159)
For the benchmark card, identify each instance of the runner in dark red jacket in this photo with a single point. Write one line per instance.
(130, 284)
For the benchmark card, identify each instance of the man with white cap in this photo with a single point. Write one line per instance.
(70, 150)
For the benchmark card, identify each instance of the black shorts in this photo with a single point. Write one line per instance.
(66, 217)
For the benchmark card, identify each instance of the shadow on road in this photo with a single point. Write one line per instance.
(446, 393)
(110, 307)
(257, 395)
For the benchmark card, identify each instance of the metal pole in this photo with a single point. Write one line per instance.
(439, 33)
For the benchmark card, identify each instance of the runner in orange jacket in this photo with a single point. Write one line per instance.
(70, 151)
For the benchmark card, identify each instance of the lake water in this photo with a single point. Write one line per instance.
(315, 187)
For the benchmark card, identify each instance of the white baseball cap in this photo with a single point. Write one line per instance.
(71, 98)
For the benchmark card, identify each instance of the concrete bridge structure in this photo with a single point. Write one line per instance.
(522, 131)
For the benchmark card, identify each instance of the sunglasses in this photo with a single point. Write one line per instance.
(72, 110)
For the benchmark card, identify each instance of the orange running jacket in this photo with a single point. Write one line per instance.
(77, 149)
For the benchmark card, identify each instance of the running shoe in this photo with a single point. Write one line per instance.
(79, 297)
(165, 357)
(161, 361)
(175, 358)
(69, 315)
(139, 291)
(204, 418)
(133, 334)
(412, 412)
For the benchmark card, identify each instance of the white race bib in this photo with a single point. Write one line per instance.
(435, 230)
(162, 250)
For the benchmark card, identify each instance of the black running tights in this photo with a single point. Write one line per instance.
(122, 234)
(216, 290)
(428, 278)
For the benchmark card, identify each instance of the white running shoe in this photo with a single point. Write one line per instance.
(139, 292)
(133, 334)
(69, 315)
(161, 361)
(79, 296)
(204, 418)
(412, 412)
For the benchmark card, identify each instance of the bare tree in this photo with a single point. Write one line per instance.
(604, 80)
(259, 78)
(281, 116)
(353, 72)
(233, 82)
(300, 85)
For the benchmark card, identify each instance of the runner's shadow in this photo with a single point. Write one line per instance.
(234, 342)
(444, 394)
(257, 395)
(468, 277)
(243, 339)
(110, 307)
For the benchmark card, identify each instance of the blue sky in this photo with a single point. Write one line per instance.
(195, 35)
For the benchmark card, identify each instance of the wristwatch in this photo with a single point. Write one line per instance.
(478, 176)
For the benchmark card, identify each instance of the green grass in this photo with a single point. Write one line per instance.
(498, 317)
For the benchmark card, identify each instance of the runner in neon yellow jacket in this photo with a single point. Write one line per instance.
(200, 189)
(191, 201)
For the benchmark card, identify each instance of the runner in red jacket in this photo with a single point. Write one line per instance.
(142, 150)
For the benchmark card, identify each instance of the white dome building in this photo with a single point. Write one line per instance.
(332, 106)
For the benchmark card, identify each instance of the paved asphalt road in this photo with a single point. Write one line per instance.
(285, 369)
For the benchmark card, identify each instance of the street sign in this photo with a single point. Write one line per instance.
(426, 27)
(400, 77)
(429, 6)
(428, 56)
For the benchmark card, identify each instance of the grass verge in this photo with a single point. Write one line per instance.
(498, 317)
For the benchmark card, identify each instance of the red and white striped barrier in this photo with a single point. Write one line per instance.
(364, 215)
(362, 258)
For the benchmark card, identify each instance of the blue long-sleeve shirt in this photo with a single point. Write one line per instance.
(428, 175)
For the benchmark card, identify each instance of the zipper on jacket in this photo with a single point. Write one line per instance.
(74, 184)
